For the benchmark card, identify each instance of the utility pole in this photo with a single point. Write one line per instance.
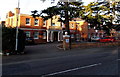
(16, 45)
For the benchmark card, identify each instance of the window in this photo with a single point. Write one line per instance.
(72, 35)
(53, 24)
(44, 35)
(72, 25)
(89, 35)
(36, 22)
(27, 34)
(77, 37)
(44, 23)
(89, 27)
(27, 21)
(36, 35)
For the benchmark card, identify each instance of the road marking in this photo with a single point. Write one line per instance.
(74, 69)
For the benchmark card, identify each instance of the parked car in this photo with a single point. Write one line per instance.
(29, 40)
(107, 39)
(96, 39)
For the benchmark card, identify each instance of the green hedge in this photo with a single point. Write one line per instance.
(9, 40)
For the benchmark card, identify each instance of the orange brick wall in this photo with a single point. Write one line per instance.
(23, 22)
(11, 21)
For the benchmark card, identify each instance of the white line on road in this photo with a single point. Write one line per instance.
(69, 70)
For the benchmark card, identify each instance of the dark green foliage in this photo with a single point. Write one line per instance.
(73, 9)
(35, 13)
(9, 40)
(95, 13)
(101, 15)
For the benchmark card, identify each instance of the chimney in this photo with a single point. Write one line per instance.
(17, 10)
(9, 14)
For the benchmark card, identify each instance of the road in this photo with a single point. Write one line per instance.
(47, 60)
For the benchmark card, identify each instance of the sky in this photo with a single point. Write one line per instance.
(26, 6)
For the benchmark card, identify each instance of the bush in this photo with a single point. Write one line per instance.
(9, 40)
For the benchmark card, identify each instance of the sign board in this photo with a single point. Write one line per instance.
(67, 40)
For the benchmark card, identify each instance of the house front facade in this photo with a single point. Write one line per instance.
(79, 29)
(50, 30)
(55, 29)
(33, 27)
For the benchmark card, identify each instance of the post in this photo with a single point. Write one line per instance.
(51, 36)
(66, 41)
(59, 33)
(16, 46)
(48, 32)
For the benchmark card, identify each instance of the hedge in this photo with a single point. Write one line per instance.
(9, 40)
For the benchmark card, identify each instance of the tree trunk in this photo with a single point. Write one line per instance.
(67, 23)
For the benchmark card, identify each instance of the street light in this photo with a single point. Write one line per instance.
(16, 45)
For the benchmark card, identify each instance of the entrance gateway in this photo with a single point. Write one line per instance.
(54, 35)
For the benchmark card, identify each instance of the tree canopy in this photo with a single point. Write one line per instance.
(101, 14)
(73, 9)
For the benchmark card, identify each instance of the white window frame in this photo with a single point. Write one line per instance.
(37, 22)
(29, 33)
(37, 35)
(44, 35)
(26, 21)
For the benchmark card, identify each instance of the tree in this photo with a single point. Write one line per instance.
(98, 14)
(35, 13)
(66, 10)
(50, 12)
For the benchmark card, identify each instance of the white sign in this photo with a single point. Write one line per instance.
(67, 40)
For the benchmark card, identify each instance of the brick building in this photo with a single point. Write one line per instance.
(78, 29)
(81, 29)
(33, 27)
(46, 31)
(54, 29)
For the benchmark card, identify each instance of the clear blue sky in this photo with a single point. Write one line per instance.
(26, 6)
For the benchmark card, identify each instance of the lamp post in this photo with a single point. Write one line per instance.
(16, 45)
